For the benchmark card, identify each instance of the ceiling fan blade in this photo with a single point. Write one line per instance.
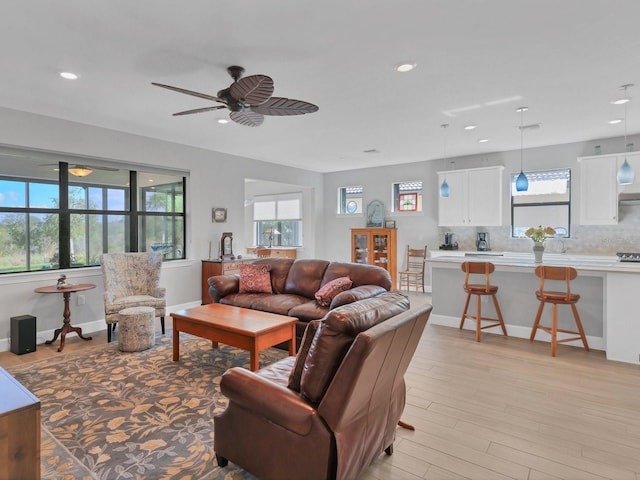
(199, 110)
(188, 92)
(285, 106)
(247, 118)
(252, 90)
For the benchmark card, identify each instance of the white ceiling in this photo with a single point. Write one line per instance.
(477, 61)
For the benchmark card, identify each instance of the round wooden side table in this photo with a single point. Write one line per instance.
(66, 322)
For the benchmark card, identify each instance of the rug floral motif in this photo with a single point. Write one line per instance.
(134, 415)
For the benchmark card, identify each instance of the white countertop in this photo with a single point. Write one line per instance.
(601, 263)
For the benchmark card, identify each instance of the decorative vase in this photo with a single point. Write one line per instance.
(538, 250)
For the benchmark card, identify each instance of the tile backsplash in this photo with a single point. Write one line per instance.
(584, 239)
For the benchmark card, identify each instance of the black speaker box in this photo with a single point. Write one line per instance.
(23, 334)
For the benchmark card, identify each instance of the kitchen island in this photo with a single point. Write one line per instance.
(608, 289)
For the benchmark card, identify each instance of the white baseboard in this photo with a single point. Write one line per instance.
(90, 327)
(518, 331)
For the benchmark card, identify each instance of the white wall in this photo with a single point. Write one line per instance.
(216, 180)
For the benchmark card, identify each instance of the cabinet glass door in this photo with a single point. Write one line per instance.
(380, 252)
(361, 248)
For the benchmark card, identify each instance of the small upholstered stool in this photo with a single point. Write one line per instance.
(137, 329)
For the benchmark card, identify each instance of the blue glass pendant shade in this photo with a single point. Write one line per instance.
(626, 175)
(444, 189)
(522, 183)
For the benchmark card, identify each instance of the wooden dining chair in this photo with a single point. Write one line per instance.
(413, 275)
(561, 276)
(479, 290)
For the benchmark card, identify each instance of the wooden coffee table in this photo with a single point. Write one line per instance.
(251, 330)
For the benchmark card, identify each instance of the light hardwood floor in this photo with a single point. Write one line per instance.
(502, 408)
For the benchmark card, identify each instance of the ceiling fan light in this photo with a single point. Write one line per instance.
(80, 171)
(626, 175)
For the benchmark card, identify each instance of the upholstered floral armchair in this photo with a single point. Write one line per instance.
(132, 280)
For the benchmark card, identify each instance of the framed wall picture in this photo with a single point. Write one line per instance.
(218, 215)
(408, 202)
(375, 214)
(389, 224)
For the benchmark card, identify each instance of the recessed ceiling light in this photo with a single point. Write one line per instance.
(615, 121)
(470, 127)
(483, 140)
(405, 67)
(69, 75)
(223, 120)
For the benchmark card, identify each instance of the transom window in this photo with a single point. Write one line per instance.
(350, 200)
(407, 196)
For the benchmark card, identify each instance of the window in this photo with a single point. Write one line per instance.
(350, 200)
(278, 220)
(547, 202)
(49, 224)
(407, 196)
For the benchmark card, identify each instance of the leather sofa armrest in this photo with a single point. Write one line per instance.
(355, 294)
(274, 402)
(222, 285)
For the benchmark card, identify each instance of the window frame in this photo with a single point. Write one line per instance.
(132, 213)
(558, 203)
(415, 197)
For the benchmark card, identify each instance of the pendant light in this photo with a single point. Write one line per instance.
(444, 188)
(626, 175)
(522, 183)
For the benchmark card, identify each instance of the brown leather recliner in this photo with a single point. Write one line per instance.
(333, 409)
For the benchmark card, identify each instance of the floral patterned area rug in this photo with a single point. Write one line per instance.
(108, 414)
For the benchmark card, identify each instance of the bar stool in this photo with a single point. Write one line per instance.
(555, 298)
(485, 268)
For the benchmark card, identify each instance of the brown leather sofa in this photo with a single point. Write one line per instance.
(294, 284)
(333, 409)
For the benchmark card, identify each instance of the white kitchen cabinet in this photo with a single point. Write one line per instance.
(475, 197)
(598, 190)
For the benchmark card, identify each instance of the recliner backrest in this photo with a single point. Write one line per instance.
(366, 397)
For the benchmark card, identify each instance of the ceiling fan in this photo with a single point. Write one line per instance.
(248, 99)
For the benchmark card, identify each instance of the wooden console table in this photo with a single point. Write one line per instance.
(19, 430)
(284, 252)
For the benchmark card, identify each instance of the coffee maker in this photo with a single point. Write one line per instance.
(449, 243)
(482, 242)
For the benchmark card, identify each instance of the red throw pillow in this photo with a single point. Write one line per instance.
(331, 289)
(255, 278)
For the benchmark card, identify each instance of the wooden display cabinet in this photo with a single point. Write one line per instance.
(218, 267)
(375, 246)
